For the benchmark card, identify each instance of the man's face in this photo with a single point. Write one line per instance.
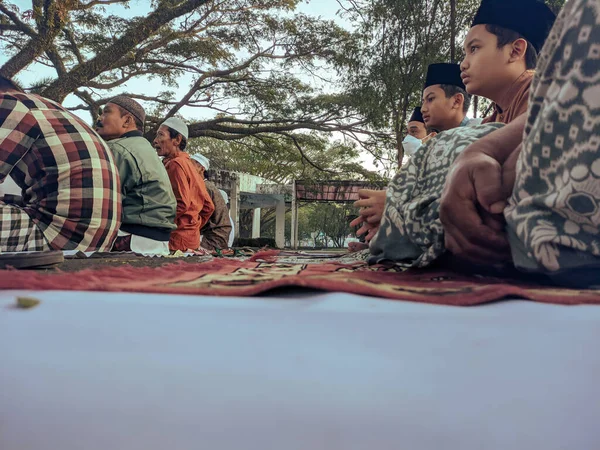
(483, 68)
(437, 108)
(417, 129)
(164, 145)
(199, 167)
(111, 124)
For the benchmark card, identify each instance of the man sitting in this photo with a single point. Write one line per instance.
(411, 232)
(445, 99)
(215, 233)
(546, 183)
(70, 189)
(445, 106)
(416, 125)
(148, 200)
(194, 206)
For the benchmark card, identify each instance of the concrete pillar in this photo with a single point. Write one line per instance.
(256, 223)
(280, 223)
(234, 206)
(294, 224)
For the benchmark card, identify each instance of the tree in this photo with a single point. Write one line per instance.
(384, 66)
(397, 40)
(310, 156)
(238, 57)
(329, 221)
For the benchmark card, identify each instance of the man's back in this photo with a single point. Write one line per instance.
(149, 204)
(215, 234)
(70, 182)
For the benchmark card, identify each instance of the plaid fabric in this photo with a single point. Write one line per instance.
(18, 233)
(70, 182)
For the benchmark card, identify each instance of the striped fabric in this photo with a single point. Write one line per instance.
(70, 182)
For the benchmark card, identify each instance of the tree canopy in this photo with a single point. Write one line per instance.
(242, 60)
(254, 78)
(393, 43)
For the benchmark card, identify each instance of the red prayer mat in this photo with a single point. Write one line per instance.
(231, 277)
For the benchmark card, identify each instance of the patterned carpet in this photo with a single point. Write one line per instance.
(266, 271)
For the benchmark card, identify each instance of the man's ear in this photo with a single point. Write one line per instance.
(178, 140)
(129, 120)
(518, 50)
(459, 101)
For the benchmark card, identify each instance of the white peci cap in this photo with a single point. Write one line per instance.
(203, 160)
(177, 125)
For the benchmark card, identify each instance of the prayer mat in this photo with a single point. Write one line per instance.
(233, 277)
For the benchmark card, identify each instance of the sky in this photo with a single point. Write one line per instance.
(324, 9)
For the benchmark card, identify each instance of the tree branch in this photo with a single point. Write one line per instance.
(89, 70)
(22, 26)
(54, 18)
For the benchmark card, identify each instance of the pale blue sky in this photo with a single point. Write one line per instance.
(325, 9)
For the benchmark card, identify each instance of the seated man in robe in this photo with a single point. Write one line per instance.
(70, 193)
(546, 181)
(215, 233)
(148, 200)
(194, 206)
(411, 233)
(445, 106)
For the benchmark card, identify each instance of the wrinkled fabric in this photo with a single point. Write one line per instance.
(553, 215)
(411, 233)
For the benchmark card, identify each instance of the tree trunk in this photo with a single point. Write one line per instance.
(453, 31)
(50, 24)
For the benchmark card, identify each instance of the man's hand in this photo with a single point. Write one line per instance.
(428, 137)
(371, 204)
(472, 205)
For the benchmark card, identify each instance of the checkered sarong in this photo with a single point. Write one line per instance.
(18, 233)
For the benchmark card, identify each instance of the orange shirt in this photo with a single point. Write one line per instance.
(194, 206)
(518, 96)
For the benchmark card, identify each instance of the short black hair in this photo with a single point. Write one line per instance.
(506, 36)
(173, 133)
(451, 90)
(138, 124)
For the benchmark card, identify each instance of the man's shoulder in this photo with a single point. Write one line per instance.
(131, 144)
(31, 101)
(210, 185)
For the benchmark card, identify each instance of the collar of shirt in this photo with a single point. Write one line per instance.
(514, 89)
(134, 133)
(180, 154)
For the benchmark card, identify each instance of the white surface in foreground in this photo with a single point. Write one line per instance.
(332, 371)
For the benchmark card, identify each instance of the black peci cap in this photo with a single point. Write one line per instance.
(417, 116)
(444, 73)
(530, 18)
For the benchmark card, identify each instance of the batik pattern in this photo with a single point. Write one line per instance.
(554, 213)
(411, 233)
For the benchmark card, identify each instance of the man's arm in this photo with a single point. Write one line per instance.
(477, 187)
(502, 142)
(180, 185)
(128, 170)
(18, 131)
